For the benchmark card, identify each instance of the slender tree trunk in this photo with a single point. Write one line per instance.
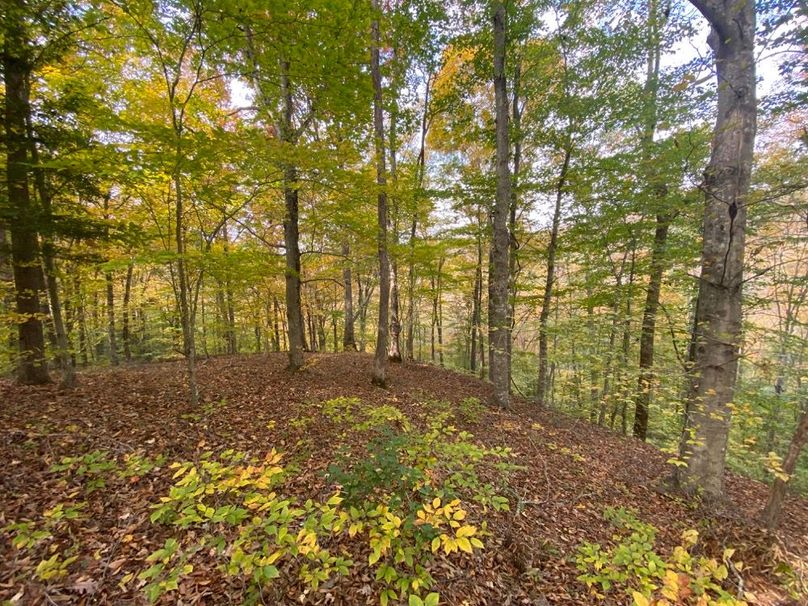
(7, 276)
(645, 380)
(380, 357)
(126, 335)
(434, 323)
(439, 314)
(420, 170)
(276, 330)
(774, 507)
(607, 371)
(82, 320)
(513, 266)
(186, 321)
(348, 338)
(499, 333)
(663, 220)
(32, 365)
(726, 185)
(626, 341)
(476, 304)
(291, 233)
(394, 347)
(111, 330)
(546, 301)
(229, 311)
(48, 258)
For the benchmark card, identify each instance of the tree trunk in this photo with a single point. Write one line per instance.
(476, 304)
(6, 275)
(380, 357)
(726, 184)
(500, 242)
(774, 506)
(645, 381)
(81, 312)
(111, 331)
(348, 338)
(394, 348)
(420, 169)
(513, 248)
(126, 335)
(663, 220)
(32, 366)
(439, 310)
(188, 341)
(291, 233)
(48, 257)
(276, 330)
(546, 301)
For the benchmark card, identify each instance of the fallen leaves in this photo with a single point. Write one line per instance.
(572, 472)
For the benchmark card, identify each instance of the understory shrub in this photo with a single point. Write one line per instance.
(632, 567)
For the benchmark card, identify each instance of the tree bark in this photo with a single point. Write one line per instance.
(348, 338)
(500, 242)
(774, 506)
(663, 219)
(32, 366)
(513, 248)
(68, 380)
(645, 380)
(718, 312)
(291, 232)
(111, 330)
(394, 347)
(476, 303)
(126, 332)
(547, 296)
(420, 170)
(380, 357)
(186, 321)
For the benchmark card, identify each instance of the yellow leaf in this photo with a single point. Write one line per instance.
(640, 599)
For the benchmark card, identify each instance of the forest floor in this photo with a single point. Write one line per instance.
(570, 473)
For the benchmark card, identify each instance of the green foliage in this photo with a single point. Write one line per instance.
(205, 411)
(632, 567)
(403, 499)
(94, 469)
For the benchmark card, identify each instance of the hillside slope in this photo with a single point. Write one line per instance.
(570, 473)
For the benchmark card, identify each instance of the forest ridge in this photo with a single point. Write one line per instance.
(592, 209)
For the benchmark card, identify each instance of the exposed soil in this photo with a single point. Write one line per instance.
(573, 471)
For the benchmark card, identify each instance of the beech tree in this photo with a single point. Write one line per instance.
(498, 329)
(21, 216)
(717, 322)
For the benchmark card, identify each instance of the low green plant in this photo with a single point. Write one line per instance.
(94, 469)
(632, 567)
(204, 411)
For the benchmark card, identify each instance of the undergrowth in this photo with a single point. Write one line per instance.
(409, 498)
(632, 567)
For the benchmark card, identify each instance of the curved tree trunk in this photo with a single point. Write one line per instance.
(774, 506)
